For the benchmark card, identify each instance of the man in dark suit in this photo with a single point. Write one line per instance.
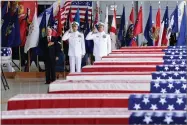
(50, 55)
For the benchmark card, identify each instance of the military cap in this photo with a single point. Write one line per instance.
(75, 23)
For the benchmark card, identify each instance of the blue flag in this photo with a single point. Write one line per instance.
(17, 38)
(182, 34)
(122, 29)
(148, 32)
(51, 21)
(11, 33)
(43, 26)
(42, 34)
(4, 30)
(4, 9)
(77, 17)
(88, 43)
(175, 24)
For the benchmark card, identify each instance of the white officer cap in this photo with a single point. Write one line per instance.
(153, 22)
(101, 24)
(75, 23)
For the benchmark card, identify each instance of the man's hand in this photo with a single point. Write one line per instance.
(94, 30)
(50, 43)
(57, 58)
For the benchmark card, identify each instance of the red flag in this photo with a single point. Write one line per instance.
(70, 17)
(59, 26)
(113, 31)
(26, 13)
(113, 27)
(157, 30)
(131, 17)
(139, 23)
(133, 42)
(97, 14)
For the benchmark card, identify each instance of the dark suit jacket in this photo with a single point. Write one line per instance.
(46, 47)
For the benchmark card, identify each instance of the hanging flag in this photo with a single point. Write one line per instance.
(12, 35)
(138, 28)
(6, 18)
(130, 29)
(68, 21)
(180, 13)
(42, 34)
(157, 30)
(96, 21)
(33, 36)
(88, 43)
(52, 23)
(4, 9)
(163, 39)
(173, 24)
(174, 17)
(148, 32)
(182, 34)
(113, 31)
(51, 20)
(131, 17)
(59, 26)
(26, 13)
(77, 16)
(97, 13)
(106, 21)
(91, 23)
(86, 23)
(122, 29)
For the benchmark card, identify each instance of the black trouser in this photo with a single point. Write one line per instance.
(50, 64)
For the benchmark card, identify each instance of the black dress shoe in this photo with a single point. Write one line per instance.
(41, 70)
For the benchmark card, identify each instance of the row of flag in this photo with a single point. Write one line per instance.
(22, 27)
(158, 34)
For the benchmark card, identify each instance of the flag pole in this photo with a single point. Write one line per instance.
(29, 60)
(20, 58)
(37, 63)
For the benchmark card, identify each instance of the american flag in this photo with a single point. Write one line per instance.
(175, 53)
(174, 57)
(82, 5)
(158, 118)
(181, 67)
(175, 50)
(175, 61)
(6, 52)
(170, 76)
(157, 102)
(168, 87)
(176, 47)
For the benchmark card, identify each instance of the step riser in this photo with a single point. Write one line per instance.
(68, 103)
(110, 77)
(120, 69)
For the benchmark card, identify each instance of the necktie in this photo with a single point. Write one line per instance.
(49, 39)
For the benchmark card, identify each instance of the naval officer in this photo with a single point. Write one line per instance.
(102, 42)
(76, 47)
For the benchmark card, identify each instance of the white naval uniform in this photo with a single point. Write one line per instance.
(102, 44)
(76, 49)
